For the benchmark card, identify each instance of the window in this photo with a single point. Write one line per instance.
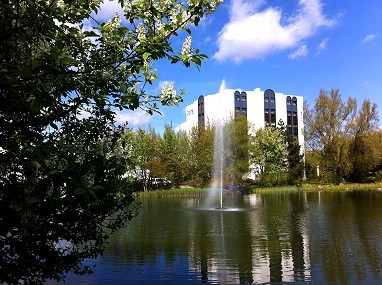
(201, 111)
(289, 119)
(240, 103)
(266, 117)
(295, 122)
(292, 119)
(270, 107)
(273, 118)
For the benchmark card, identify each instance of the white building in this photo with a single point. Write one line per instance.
(260, 107)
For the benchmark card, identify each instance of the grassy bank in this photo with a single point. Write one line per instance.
(200, 192)
(179, 192)
(319, 187)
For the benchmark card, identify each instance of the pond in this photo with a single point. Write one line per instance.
(272, 238)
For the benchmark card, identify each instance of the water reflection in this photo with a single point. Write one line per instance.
(315, 238)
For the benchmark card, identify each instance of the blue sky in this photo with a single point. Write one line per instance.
(295, 47)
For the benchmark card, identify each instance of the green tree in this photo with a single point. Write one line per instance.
(331, 126)
(366, 155)
(359, 159)
(145, 145)
(152, 150)
(172, 155)
(63, 75)
(294, 159)
(236, 149)
(268, 149)
(374, 141)
(200, 160)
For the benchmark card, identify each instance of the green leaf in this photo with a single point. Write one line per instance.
(196, 60)
(146, 55)
(37, 164)
(67, 60)
(80, 191)
(98, 187)
(90, 34)
(54, 126)
(36, 63)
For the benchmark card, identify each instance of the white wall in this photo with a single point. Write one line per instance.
(255, 108)
(222, 105)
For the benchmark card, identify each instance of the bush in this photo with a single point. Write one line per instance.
(331, 178)
(273, 179)
(378, 176)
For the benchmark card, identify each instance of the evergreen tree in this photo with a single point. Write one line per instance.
(295, 162)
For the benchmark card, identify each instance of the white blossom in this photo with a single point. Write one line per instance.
(162, 5)
(215, 4)
(186, 48)
(127, 8)
(168, 95)
(110, 26)
(141, 32)
(160, 29)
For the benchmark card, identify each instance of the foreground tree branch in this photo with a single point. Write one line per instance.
(63, 75)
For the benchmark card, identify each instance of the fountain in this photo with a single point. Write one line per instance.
(216, 189)
(221, 161)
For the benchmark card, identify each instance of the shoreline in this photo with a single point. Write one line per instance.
(201, 192)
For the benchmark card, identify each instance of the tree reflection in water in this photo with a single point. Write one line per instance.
(314, 238)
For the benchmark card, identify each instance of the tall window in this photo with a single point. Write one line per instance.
(240, 103)
(292, 119)
(269, 107)
(201, 111)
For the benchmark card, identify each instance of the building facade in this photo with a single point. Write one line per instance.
(261, 108)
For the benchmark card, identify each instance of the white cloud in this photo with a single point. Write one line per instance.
(137, 118)
(255, 33)
(369, 38)
(322, 46)
(108, 10)
(300, 52)
(205, 21)
(223, 85)
(162, 83)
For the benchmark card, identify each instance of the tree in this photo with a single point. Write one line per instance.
(63, 76)
(199, 166)
(151, 152)
(374, 141)
(145, 145)
(366, 155)
(331, 126)
(359, 160)
(268, 149)
(174, 154)
(236, 149)
(295, 160)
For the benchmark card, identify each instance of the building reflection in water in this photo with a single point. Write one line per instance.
(264, 249)
(277, 238)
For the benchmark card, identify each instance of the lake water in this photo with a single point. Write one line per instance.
(275, 238)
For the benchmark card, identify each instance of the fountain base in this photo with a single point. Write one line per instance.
(221, 208)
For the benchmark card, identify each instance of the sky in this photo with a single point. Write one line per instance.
(296, 47)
